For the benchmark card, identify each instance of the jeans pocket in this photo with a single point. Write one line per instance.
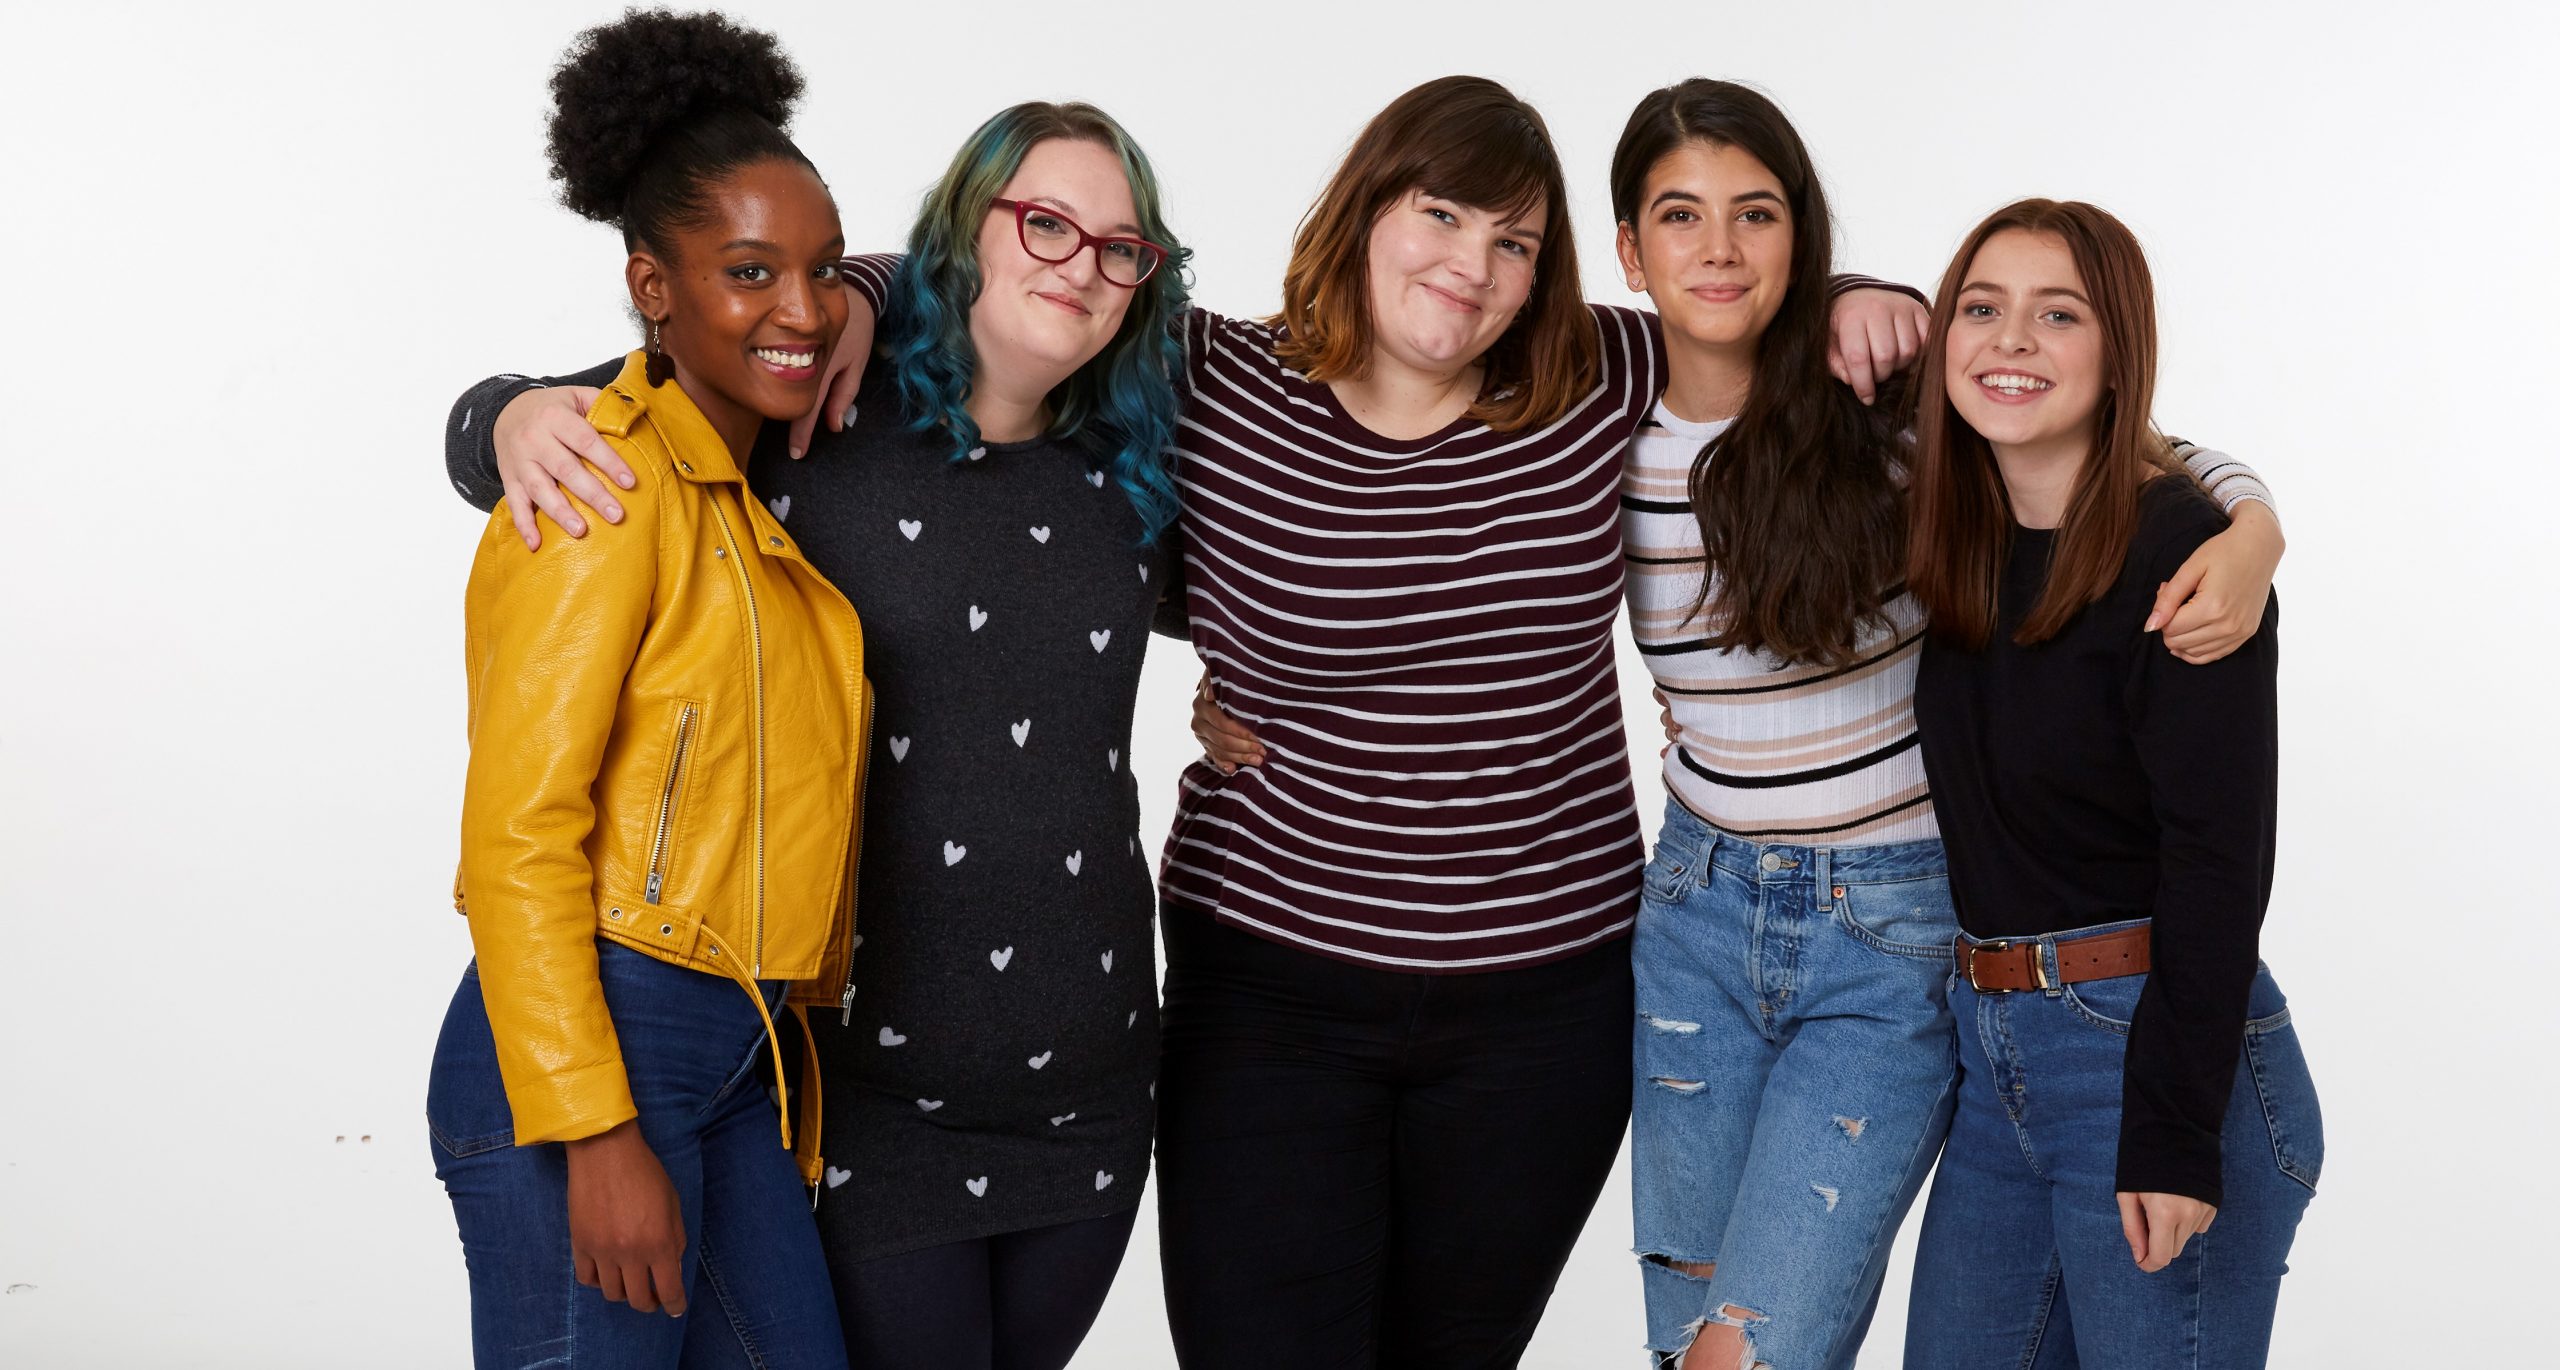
(1915, 917)
(1668, 876)
(2106, 1004)
(467, 1110)
(2286, 1097)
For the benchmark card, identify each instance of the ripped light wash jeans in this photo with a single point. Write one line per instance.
(1795, 1072)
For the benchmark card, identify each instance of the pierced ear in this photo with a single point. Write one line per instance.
(647, 280)
(1630, 256)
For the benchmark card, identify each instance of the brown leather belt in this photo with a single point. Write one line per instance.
(2005, 964)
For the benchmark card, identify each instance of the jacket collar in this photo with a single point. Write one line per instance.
(693, 445)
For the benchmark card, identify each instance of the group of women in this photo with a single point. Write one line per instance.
(851, 732)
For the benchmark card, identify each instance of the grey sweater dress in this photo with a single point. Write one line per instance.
(995, 1071)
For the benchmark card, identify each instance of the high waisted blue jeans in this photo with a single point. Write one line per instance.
(2023, 1261)
(755, 1278)
(1795, 1066)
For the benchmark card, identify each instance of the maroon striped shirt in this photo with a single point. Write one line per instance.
(1420, 632)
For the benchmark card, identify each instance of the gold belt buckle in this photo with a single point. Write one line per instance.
(1973, 956)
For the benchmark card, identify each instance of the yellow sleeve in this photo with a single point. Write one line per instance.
(551, 635)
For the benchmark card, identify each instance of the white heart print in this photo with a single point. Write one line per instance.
(1101, 1180)
(781, 507)
(1100, 639)
(1113, 761)
(1001, 959)
(978, 1186)
(1040, 535)
(1042, 1059)
(928, 1105)
(898, 748)
(977, 454)
(977, 618)
(1062, 1120)
(952, 852)
(1133, 1017)
(1142, 573)
(1075, 863)
(836, 1177)
(1106, 963)
(1095, 477)
(1022, 733)
(911, 527)
(890, 1037)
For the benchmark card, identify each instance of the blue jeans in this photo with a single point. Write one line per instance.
(755, 1280)
(1795, 1066)
(2023, 1260)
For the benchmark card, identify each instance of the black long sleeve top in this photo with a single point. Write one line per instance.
(2094, 778)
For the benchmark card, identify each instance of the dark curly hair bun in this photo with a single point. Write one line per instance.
(650, 110)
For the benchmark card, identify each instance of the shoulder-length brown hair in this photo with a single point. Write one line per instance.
(1466, 139)
(1960, 513)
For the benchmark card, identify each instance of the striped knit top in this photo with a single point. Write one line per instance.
(1774, 752)
(1421, 633)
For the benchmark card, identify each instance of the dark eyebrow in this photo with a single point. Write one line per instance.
(772, 249)
(1691, 198)
(1993, 288)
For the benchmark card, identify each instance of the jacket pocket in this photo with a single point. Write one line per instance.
(662, 833)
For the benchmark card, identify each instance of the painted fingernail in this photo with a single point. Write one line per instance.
(849, 411)
(795, 453)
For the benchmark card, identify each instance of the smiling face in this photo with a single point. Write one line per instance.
(2026, 359)
(1713, 243)
(1035, 322)
(749, 301)
(1446, 279)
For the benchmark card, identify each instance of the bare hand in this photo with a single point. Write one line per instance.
(1874, 334)
(1227, 743)
(843, 379)
(1670, 729)
(2217, 599)
(626, 1229)
(2157, 1226)
(545, 447)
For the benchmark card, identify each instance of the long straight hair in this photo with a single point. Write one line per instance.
(1798, 504)
(1960, 506)
(1125, 394)
(1466, 139)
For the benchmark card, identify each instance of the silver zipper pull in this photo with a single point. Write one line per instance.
(813, 1195)
(657, 882)
(847, 1001)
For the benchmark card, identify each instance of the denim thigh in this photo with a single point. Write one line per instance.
(2023, 1258)
(1795, 1069)
(692, 1046)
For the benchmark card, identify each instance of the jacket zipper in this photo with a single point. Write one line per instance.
(755, 651)
(853, 878)
(667, 808)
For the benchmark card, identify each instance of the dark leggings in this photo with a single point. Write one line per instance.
(1014, 1301)
(1359, 1167)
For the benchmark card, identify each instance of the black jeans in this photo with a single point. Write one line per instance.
(1359, 1167)
(1013, 1301)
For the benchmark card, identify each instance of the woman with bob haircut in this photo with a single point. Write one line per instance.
(2107, 1195)
(1795, 1059)
(998, 504)
(660, 807)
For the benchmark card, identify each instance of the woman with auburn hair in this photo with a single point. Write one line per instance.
(1794, 1055)
(2107, 1194)
(999, 512)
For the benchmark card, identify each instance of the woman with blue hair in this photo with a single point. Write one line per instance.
(997, 511)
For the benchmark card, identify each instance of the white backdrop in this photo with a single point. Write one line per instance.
(258, 248)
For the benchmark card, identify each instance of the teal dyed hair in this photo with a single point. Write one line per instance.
(1125, 396)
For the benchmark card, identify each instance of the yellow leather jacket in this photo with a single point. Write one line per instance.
(668, 726)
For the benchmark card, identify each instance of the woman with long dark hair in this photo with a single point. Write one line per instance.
(999, 509)
(658, 820)
(2109, 1195)
(1795, 1060)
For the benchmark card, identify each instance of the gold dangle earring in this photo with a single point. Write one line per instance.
(660, 369)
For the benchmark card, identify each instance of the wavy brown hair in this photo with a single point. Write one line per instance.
(1466, 139)
(1960, 513)
(1798, 503)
